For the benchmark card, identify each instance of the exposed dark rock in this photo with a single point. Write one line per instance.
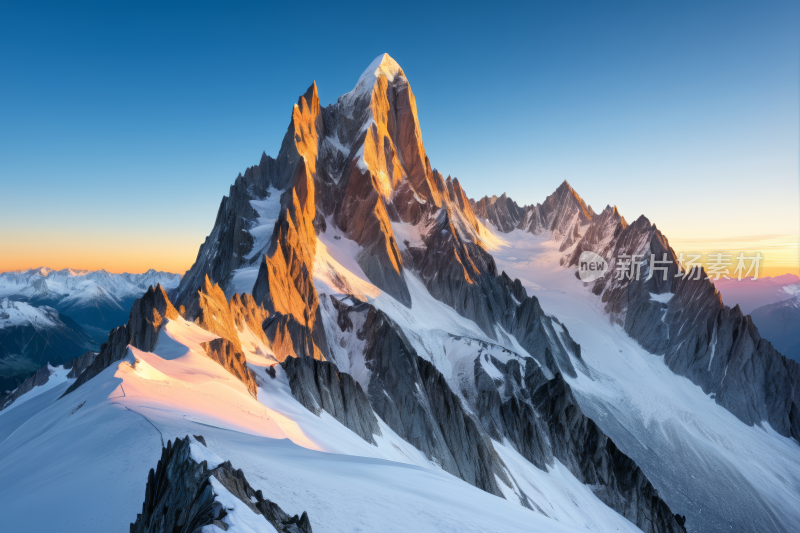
(716, 347)
(319, 385)
(594, 459)
(229, 244)
(180, 497)
(41, 377)
(414, 399)
(79, 364)
(463, 275)
(513, 417)
(502, 212)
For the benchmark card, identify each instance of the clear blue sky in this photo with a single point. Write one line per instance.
(121, 126)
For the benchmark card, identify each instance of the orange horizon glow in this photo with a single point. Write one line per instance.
(133, 254)
(176, 255)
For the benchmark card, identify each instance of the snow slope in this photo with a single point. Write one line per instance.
(113, 427)
(708, 465)
(705, 462)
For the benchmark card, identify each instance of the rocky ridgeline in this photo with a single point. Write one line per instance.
(319, 385)
(563, 213)
(716, 347)
(208, 308)
(183, 493)
(147, 316)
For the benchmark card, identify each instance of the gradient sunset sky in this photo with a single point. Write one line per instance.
(122, 126)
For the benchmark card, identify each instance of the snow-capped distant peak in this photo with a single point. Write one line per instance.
(78, 284)
(20, 313)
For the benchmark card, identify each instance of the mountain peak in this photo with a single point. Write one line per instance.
(310, 95)
(384, 65)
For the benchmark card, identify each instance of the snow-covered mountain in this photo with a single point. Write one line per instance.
(31, 337)
(374, 351)
(97, 300)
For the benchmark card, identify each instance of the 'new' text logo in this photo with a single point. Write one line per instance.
(591, 266)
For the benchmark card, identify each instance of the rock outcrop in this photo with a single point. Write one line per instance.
(541, 419)
(148, 315)
(595, 460)
(505, 409)
(319, 385)
(42, 376)
(502, 211)
(284, 285)
(185, 493)
(414, 399)
(79, 364)
(210, 310)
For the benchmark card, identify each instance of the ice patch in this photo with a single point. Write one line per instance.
(662, 298)
(268, 210)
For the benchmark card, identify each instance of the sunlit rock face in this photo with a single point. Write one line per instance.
(212, 312)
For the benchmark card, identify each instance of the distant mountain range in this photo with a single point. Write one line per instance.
(751, 294)
(53, 316)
